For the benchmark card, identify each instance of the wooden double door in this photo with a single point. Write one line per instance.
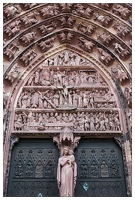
(33, 169)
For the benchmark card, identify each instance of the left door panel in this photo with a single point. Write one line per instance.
(33, 169)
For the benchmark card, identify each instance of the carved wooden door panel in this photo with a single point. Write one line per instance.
(33, 169)
(100, 169)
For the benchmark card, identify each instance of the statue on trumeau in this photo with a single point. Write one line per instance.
(66, 173)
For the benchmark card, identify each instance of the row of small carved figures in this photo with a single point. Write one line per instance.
(46, 11)
(82, 99)
(52, 77)
(44, 46)
(80, 121)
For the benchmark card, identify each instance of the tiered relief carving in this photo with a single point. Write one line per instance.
(66, 58)
(60, 90)
(79, 121)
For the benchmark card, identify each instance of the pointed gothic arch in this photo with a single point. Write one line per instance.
(85, 42)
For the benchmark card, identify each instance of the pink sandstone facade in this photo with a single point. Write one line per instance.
(67, 87)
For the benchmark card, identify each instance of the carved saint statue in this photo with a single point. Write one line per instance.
(66, 173)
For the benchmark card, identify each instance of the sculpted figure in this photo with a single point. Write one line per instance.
(85, 12)
(119, 73)
(11, 11)
(66, 7)
(88, 29)
(122, 52)
(28, 6)
(105, 57)
(11, 50)
(104, 20)
(106, 6)
(14, 73)
(45, 45)
(121, 11)
(66, 21)
(48, 11)
(121, 30)
(30, 19)
(66, 173)
(47, 28)
(66, 37)
(28, 56)
(86, 45)
(104, 38)
(13, 28)
(28, 37)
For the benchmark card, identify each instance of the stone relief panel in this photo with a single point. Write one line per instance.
(54, 97)
(66, 58)
(79, 121)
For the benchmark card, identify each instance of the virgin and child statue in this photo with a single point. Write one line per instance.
(66, 173)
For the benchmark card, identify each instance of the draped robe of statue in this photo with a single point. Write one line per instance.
(66, 176)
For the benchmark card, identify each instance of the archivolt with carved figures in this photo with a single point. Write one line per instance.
(67, 75)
